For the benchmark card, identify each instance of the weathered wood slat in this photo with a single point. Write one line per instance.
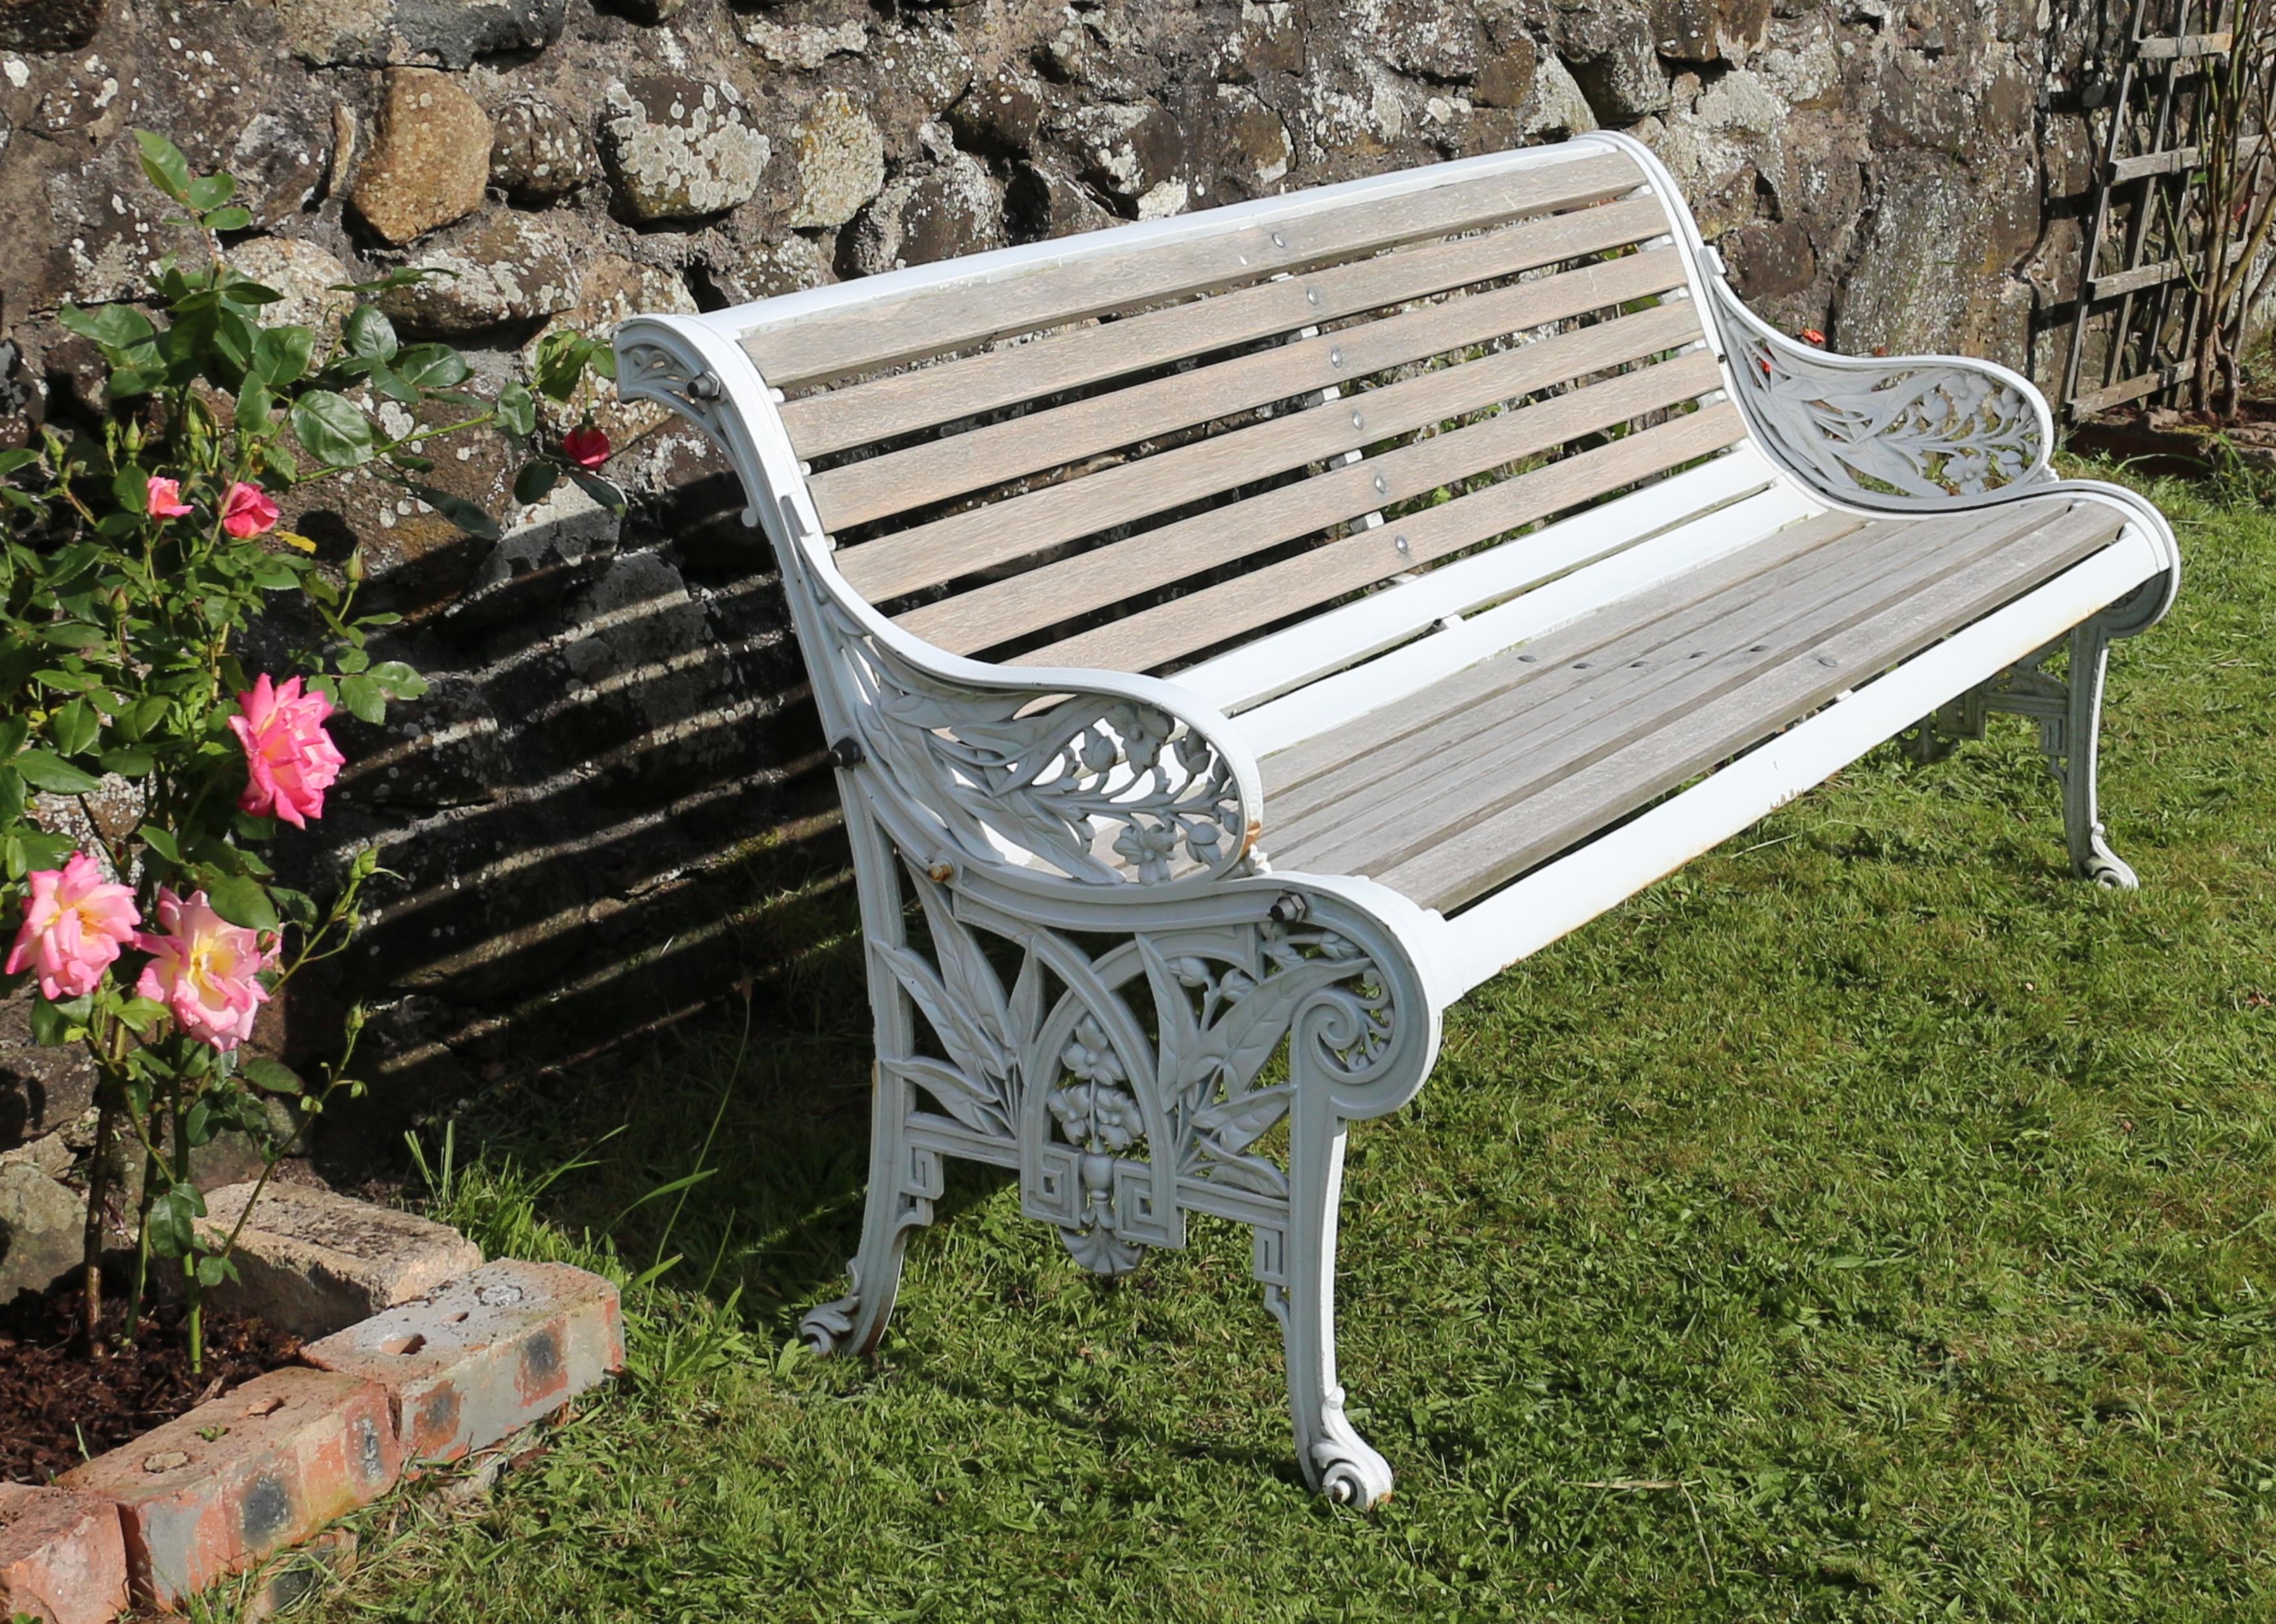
(2147, 277)
(2130, 388)
(1571, 715)
(1050, 293)
(1302, 776)
(998, 612)
(2171, 162)
(1152, 637)
(1002, 531)
(1527, 692)
(884, 407)
(937, 469)
(2184, 48)
(1697, 738)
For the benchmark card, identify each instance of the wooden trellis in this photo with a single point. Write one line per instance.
(2140, 281)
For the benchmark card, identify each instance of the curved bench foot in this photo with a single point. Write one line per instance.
(2106, 867)
(2071, 752)
(2068, 711)
(1336, 1461)
(903, 1179)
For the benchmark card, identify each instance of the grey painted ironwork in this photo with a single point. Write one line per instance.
(1915, 434)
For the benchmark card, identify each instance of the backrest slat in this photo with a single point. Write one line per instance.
(1153, 637)
(1019, 526)
(859, 492)
(900, 403)
(999, 611)
(1201, 430)
(867, 334)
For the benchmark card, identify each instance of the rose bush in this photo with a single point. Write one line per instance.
(139, 550)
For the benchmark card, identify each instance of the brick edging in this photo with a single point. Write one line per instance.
(267, 1465)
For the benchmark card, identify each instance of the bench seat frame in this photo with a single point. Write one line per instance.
(1002, 815)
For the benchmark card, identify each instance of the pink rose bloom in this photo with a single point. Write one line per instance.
(289, 758)
(75, 921)
(166, 498)
(204, 969)
(245, 511)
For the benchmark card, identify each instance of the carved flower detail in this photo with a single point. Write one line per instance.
(1143, 733)
(1097, 751)
(1090, 1056)
(1968, 469)
(1092, 1110)
(1151, 846)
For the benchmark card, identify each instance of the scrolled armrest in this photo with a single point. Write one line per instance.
(1039, 763)
(1906, 434)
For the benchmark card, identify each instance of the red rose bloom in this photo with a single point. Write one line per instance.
(586, 446)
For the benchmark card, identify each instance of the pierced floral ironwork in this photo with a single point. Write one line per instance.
(1138, 1088)
(1932, 431)
(1095, 786)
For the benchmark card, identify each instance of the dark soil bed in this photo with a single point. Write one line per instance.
(58, 1407)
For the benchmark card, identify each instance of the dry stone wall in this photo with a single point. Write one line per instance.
(612, 802)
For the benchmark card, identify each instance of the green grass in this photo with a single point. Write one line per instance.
(1870, 1223)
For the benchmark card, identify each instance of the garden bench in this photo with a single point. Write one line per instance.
(1454, 536)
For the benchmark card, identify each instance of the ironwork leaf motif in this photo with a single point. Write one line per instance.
(972, 1089)
(1047, 783)
(968, 1102)
(1925, 430)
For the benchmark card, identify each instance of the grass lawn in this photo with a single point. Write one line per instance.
(1870, 1223)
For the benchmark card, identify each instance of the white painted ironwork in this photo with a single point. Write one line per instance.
(1094, 834)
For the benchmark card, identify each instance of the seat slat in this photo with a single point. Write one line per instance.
(1152, 637)
(881, 408)
(1487, 755)
(1302, 776)
(1696, 737)
(937, 469)
(1025, 294)
(1513, 710)
(1381, 647)
(1001, 610)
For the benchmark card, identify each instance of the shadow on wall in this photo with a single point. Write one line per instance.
(613, 804)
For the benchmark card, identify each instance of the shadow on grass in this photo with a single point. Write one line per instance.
(735, 1140)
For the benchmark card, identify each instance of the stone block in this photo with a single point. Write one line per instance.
(213, 1492)
(485, 1356)
(61, 1557)
(429, 158)
(310, 1262)
(42, 1225)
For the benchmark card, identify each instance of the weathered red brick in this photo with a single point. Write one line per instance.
(260, 1468)
(485, 1356)
(62, 1559)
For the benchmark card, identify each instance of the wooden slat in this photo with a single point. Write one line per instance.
(2131, 389)
(1384, 645)
(1152, 637)
(2134, 281)
(1039, 293)
(1506, 758)
(2168, 162)
(998, 612)
(1016, 526)
(1502, 847)
(2152, 163)
(884, 407)
(937, 469)
(1479, 752)
(2168, 48)
(1290, 775)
